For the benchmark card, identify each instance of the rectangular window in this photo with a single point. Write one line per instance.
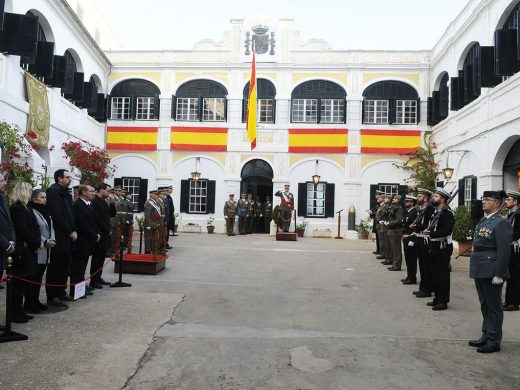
(467, 191)
(198, 196)
(406, 112)
(187, 109)
(389, 189)
(316, 199)
(376, 111)
(305, 110)
(214, 109)
(120, 108)
(132, 185)
(265, 110)
(332, 111)
(145, 108)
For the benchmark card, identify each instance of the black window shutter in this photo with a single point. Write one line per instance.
(318, 113)
(109, 107)
(210, 200)
(443, 104)
(329, 200)
(418, 110)
(345, 111)
(435, 107)
(429, 108)
(201, 108)
(373, 188)
(274, 110)
(143, 194)
(244, 110)
(454, 93)
(174, 107)
(391, 111)
(185, 196)
(157, 107)
(302, 200)
(133, 106)
(292, 109)
(363, 119)
(473, 188)
(461, 192)
(225, 109)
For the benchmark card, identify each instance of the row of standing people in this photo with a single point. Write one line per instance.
(159, 220)
(424, 226)
(253, 215)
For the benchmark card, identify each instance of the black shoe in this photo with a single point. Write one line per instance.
(421, 294)
(56, 302)
(489, 348)
(103, 282)
(89, 288)
(388, 262)
(174, 235)
(394, 268)
(477, 343)
(19, 319)
(29, 317)
(404, 280)
(410, 282)
(380, 257)
(83, 297)
(432, 303)
(89, 293)
(416, 292)
(511, 308)
(376, 253)
(440, 306)
(96, 285)
(168, 246)
(41, 306)
(33, 309)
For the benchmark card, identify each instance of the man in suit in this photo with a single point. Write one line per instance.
(488, 267)
(286, 207)
(152, 223)
(409, 249)
(230, 211)
(512, 302)
(59, 203)
(7, 234)
(170, 218)
(88, 235)
(104, 208)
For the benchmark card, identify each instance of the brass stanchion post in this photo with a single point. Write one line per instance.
(120, 282)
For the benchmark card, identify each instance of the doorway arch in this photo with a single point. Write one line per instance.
(257, 179)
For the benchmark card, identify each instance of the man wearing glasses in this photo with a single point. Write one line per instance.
(488, 266)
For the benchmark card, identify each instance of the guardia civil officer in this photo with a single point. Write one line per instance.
(425, 212)
(488, 266)
(409, 248)
(439, 232)
(513, 284)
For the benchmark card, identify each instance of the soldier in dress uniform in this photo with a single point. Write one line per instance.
(250, 213)
(386, 249)
(230, 211)
(152, 223)
(257, 217)
(373, 212)
(117, 222)
(439, 232)
(377, 220)
(267, 210)
(395, 232)
(409, 249)
(512, 302)
(286, 207)
(128, 217)
(242, 208)
(421, 242)
(488, 267)
(162, 201)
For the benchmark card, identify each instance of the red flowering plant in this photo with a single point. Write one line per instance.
(92, 162)
(421, 165)
(16, 153)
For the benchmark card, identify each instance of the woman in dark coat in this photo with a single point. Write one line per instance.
(28, 241)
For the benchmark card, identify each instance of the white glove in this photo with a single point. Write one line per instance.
(387, 223)
(411, 243)
(382, 222)
(225, 216)
(148, 228)
(497, 280)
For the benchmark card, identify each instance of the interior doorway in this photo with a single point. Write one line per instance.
(257, 179)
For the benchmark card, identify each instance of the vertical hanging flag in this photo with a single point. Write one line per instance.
(251, 105)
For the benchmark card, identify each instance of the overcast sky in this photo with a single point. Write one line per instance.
(345, 24)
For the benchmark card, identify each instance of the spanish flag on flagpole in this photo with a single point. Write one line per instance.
(251, 105)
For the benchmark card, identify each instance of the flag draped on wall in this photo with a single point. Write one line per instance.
(251, 105)
(210, 139)
(318, 140)
(39, 115)
(390, 141)
(132, 138)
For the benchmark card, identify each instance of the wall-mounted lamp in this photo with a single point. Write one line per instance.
(448, 172)
(316, 177)
(196, 175)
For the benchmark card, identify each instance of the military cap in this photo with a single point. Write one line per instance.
(379, 192)
(117, 188)
(75, 187)
(411, 197)
(160, 188)
(287, 185)
(424, 191)
(513, 194)
(494, 194)
(170, 187)
(442, 192)
(153, 192)
(398, 197)
(231, 194)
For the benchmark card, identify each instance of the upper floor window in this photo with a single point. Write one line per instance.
(388, 102)
(318, 101)
(134, 99)
(200, 100)
(266, 94)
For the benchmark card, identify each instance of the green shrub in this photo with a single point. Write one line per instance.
(464, 225)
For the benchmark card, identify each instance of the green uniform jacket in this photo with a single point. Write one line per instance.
(230, 208)
(491, 248)
(152, 218)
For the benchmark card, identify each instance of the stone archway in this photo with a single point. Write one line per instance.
(512, 168)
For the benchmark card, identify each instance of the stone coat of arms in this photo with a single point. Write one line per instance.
(261, 41)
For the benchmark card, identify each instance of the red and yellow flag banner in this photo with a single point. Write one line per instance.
(132, 138)
(251, 105)
(318, 140)
(390, 141)
(210, 139)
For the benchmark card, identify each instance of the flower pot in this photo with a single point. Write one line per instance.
(465, 248)
(363, 235)
(210, 229)
(300, 233)
(175, 227)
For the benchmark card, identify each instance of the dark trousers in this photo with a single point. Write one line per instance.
(98, 259)
(513, 284)
(249, 224)
(490, 297)
(410, 257)
(425, 267)
(57, 273)
(33, 290)
(378, 248)
(230, 225)
(267, 223)
(78, 268)
(242, 224)
(440, 260)
(18, 290)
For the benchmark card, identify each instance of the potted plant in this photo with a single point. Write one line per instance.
(210, 224)
(300, 227)
(463, 230)
(178, 217)
(363, 228)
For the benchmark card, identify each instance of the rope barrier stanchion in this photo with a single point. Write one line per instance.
(120, 283)
(6, 334)
(141, 232)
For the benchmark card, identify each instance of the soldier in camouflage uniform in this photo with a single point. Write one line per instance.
(230, 211)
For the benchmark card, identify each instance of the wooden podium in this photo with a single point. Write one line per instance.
(141, 264)
(286, 236)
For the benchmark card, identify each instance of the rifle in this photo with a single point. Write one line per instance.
(463, 253)
(437, 216)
